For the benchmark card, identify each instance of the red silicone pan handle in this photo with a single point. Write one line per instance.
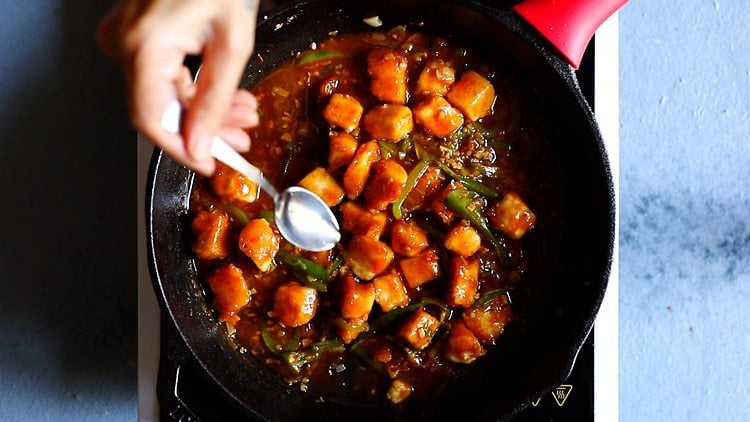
(568, 24)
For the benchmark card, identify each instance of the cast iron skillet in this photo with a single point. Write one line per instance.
(574, 278)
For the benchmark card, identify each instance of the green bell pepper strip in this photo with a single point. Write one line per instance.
(273, 344)
(406, 144)
(469, 183)
(267, 215)
(312, 56)
(372, 363)
(391, 316)
(498, 144)
(237, 213)
(422, 153)
(485, 298)
(387, 149)
(333, 268)
(307, 271)
(444, 309)
(491, 136)
(297, 359)
(411, 181)
(388, 318)
(460, 201)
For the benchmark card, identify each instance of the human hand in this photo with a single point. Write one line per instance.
(151, 38)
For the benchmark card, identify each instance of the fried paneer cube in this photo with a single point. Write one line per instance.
(350, 330)
(341, 150)
(321, 183)
(462, 345)
(259, 242)
(231, 186)
(391, 122)
(320, 257)
(356, 298)
(383, 351)
(390, 291)
(473, 95)
(343, 111)
(211, 233)
(399, 391)
(294, 304)
(419, 329)
(511, 216)
(359, 220)
(387, 180)
(438, 117)
(358, 171)
(427, 187)
(439, 207)
(463, 239)
(463, 281)
(420, 269)
(388, 73)
(230, 292)
(435, 79)
(488, 320)
(407, 238)
(368, 257)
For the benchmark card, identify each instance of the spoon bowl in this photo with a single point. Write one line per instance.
(301, 216)
(305, 220)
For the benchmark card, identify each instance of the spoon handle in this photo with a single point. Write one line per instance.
(226, 154)
(220, 150)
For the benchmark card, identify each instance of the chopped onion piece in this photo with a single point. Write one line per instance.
(373, 21)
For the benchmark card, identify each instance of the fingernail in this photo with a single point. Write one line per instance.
(245, 145)
(206, 168)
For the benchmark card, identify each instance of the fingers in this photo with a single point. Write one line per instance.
(225, 56)
(185, 87)
(243, 112)
(157, 80)
(237, 138)
(173, 146)
(151, 38)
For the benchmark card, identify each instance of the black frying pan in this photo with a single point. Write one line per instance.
(509, 378)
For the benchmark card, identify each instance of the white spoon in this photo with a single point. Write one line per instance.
(301, 216)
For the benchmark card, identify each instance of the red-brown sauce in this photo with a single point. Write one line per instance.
(502, 150)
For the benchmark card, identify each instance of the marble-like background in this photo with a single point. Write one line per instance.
(67, 219)
(685, 211)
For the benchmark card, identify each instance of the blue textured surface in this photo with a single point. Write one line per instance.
(685, 211)
(67, 221)
(67, 261)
